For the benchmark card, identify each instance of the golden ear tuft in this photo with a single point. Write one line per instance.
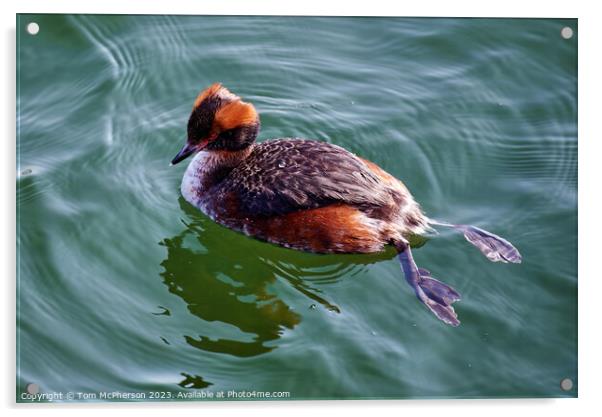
(215, 89)
(234, 114)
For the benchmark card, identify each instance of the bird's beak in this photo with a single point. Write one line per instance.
(184, 153)
(189, 149)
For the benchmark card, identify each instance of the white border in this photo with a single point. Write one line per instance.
(590, 137)
(459, 8)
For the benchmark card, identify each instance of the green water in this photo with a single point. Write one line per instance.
(123, 286)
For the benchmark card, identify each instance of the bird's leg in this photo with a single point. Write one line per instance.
(436, 295)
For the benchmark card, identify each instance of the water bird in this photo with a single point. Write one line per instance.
(310, 195)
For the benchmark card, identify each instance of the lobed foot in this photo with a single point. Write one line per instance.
(436, 295)
(495, 248)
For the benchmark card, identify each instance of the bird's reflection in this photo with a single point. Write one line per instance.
(225, 277)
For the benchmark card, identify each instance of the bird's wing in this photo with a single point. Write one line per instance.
(285, 175)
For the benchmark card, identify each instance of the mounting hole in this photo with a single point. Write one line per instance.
(32, 389)
(33, 28)
(566, 384)
(566, 32)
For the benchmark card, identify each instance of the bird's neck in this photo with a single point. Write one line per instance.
(209, 168)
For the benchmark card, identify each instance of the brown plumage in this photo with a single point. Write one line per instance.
(308, 195)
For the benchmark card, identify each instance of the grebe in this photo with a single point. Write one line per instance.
(309, 195)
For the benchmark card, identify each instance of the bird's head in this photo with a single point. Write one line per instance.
(220, 121)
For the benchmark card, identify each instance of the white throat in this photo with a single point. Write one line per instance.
(201, 173)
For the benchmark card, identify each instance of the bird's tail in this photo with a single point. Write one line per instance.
(494, 247)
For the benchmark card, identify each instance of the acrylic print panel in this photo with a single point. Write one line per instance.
(138, 280)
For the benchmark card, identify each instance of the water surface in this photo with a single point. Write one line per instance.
(123, 286)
